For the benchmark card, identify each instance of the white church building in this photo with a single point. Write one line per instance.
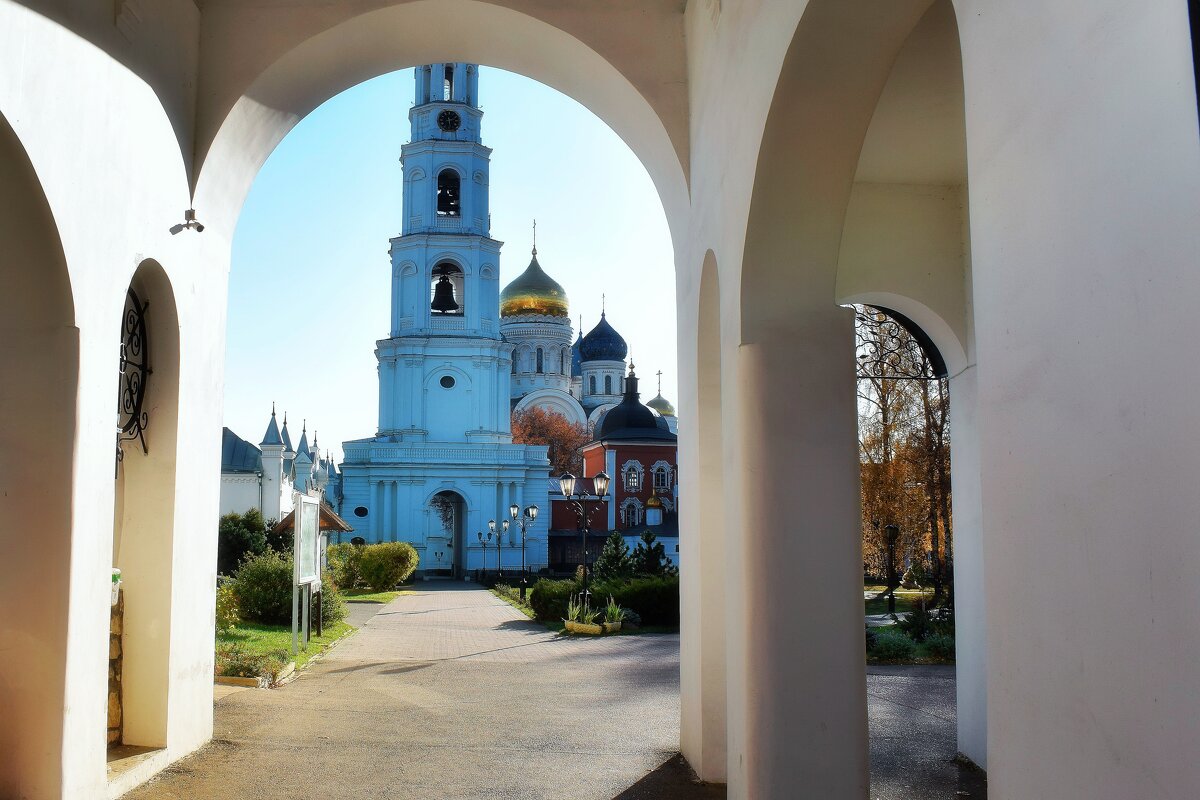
(442, 463)
(266, 476)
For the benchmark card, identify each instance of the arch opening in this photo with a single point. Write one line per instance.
(144, 513)
(37, 475)
(859, 196)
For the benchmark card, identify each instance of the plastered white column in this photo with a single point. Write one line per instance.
(803, 731)
(970, 608)
(1085, 193)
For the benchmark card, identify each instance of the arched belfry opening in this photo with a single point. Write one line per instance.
(449, 200)
(447, 290)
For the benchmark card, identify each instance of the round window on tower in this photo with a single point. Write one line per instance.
(361, 511)
(447, 382)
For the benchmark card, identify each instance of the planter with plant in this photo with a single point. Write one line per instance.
(612, 616)
(581, 618)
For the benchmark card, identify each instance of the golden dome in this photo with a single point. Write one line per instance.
(662, 405)
(654, 502)
(533, 292)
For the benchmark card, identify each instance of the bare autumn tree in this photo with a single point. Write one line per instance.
(904, 446)
(565, 439)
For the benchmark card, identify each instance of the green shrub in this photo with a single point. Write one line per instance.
(344, 564)
(332, 604)
(891, 646)
(918, 624)
(549, 598)
(384, 565)
(239, 535)
(940, 646)
(655, 599)
(870, 639)
(263, 586)
(227, 607)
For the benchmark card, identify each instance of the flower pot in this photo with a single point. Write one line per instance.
(612, 627)
(583, 627)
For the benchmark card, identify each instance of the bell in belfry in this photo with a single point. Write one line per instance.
(443, 297)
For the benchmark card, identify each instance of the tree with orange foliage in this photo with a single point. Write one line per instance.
(566, 439)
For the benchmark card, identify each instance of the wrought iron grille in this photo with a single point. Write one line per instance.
(890, 345)
(134, 374)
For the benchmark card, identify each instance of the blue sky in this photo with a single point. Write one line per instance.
(308, 293)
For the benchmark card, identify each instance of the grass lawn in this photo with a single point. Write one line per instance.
(905, 601)
(253, 649)
(370, 596)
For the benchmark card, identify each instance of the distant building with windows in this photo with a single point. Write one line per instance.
(265, 476)
(636, 447)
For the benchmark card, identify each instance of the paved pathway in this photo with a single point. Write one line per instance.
(450, 693)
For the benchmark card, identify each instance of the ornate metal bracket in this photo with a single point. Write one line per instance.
(134, 373)
(890, 345)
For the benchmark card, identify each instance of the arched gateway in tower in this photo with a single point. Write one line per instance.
(445, 370)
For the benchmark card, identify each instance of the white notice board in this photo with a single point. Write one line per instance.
(307, 541)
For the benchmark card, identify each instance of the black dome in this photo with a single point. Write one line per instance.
(603, 344)
(629, 419)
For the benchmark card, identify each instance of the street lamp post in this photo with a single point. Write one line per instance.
(523, 522)
(483, 540)
(582, 513)
(892, 532)
(491, 533)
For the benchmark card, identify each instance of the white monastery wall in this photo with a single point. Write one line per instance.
(1073, 461)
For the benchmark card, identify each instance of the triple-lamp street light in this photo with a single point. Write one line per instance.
(584, 514)
(531, 513)
(484, 541)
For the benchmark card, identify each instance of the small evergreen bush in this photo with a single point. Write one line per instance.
(344, 564)
(614, 561)
(239, 535)
(940, 646)
(871, 637)
(891, 646)
(263, 587)
(549, 598)
(386, 564)
(650, 557)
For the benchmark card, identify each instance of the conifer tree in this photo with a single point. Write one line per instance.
(650, 557)
(614, 561)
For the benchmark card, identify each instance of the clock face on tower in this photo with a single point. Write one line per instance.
(449, 120)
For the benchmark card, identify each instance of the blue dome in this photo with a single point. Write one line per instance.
(603, 344)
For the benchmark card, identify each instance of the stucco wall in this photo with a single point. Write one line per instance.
(1084, 174)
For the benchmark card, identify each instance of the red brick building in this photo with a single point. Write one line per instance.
(637, 450)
